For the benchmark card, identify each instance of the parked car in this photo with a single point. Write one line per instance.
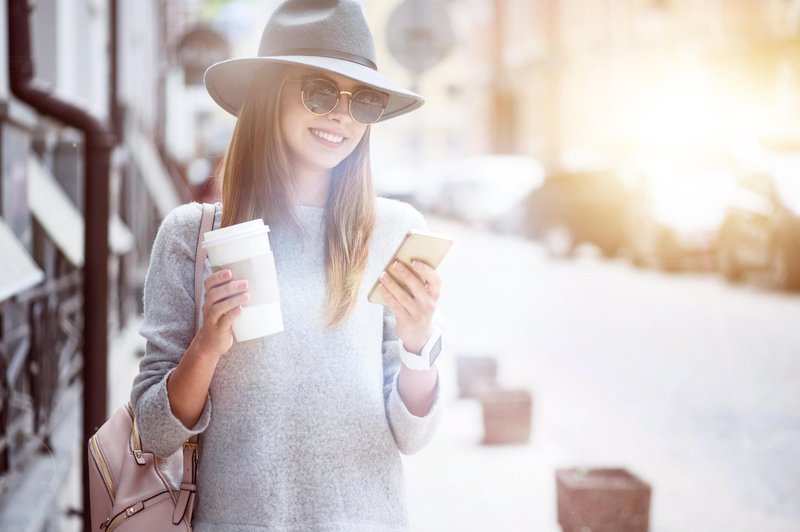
(575, 207)
(486, 190)
(761, 231)
(397, 183)
(675, 218)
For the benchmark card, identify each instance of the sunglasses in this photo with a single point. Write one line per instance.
(321, 95)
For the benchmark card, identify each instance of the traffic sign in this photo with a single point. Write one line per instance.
(420, 34)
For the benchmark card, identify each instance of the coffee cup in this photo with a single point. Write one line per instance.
(244, 249)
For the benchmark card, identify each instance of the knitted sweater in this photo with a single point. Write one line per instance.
(301, 430)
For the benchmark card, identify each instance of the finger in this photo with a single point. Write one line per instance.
(412, 281)
(228, 289)
(219, 309)
(399, 293)
(221, 292)
(429, 275)
(215, 279)
(226, 321)
(392, 302)
(421, 290)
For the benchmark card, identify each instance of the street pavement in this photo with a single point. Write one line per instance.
(686, 381)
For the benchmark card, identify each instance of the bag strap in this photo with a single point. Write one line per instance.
(186, 497)
(206, 223)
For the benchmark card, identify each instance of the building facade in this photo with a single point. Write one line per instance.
(43, 212)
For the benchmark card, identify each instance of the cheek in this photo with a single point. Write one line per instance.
(358, 134)
(291, 124)
(284, 122)
(291, 114)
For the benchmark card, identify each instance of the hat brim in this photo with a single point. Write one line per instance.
(228, 81)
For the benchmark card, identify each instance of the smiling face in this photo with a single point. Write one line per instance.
(317, 143)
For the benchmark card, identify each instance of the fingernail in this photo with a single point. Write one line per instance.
(398, 266)
(241, 284)
(226, 274)
(415, 265)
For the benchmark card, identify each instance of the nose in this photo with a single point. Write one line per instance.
(342, 109)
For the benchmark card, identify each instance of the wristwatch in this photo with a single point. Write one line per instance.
(427, 356)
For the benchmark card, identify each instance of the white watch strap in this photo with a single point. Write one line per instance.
(413, 360)
(423, 360)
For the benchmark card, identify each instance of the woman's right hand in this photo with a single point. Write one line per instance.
(224, 298)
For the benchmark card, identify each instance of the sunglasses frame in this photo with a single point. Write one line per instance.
(351, 95)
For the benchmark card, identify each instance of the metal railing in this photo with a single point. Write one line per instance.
(40, 357)
(41, 329)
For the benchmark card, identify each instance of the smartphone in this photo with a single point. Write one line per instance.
(429, 248)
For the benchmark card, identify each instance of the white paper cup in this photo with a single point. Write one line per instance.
(244, 249)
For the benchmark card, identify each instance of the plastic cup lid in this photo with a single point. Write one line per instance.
(234, 232)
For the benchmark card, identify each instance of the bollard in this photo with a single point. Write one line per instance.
(506, 416)
(602, 500)
(476, 374)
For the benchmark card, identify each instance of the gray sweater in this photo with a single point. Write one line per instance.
(302, 430)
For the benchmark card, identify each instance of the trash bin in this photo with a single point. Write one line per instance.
(476, 374)
(506, 416)
(602, 500)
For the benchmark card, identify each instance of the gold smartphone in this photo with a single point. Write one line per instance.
(429, 248)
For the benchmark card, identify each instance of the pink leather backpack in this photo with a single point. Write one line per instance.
(128, 484)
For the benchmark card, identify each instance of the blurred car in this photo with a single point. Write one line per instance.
(397, 183)
(761, 231)
(575, 207)
(487, 190)
(675, 218)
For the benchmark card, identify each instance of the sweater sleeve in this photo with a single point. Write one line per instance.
(410, 432)
(168, 328)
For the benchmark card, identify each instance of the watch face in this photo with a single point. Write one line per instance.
(435, 350)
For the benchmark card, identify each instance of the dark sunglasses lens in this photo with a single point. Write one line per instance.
(368, 105)
(319, 95)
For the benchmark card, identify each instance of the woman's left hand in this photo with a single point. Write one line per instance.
(413, 308)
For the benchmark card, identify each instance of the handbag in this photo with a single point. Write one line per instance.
(128, 484)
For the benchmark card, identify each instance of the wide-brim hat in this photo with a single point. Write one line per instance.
(330, 35)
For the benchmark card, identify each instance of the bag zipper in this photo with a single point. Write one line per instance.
(101, 462)
(113, 522)
(117, 520)
(103, 467)
(136, 443)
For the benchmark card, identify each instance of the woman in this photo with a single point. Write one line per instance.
(301, 430)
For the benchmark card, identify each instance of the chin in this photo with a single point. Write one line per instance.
(328, 165)
(331, 163)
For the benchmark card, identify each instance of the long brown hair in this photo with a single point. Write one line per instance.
(257, 183)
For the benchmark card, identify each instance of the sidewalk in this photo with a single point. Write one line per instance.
(458, 484)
